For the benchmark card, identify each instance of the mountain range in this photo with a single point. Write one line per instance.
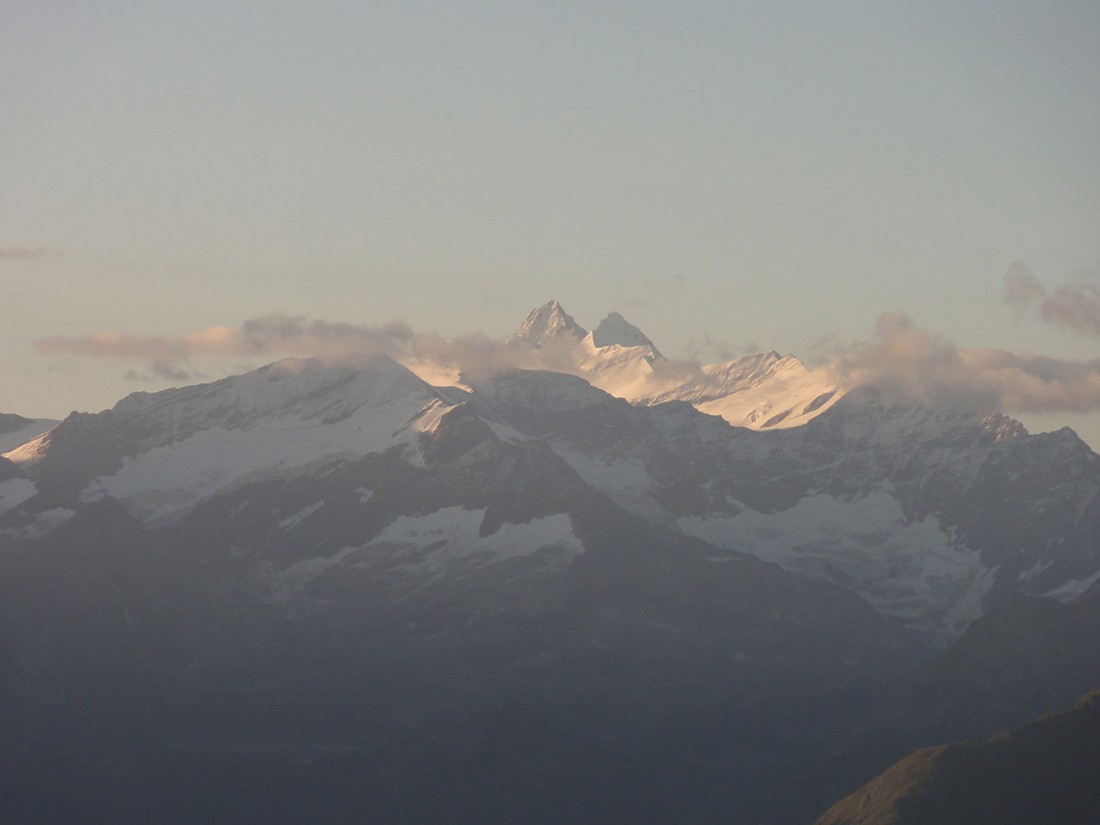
(622, 588)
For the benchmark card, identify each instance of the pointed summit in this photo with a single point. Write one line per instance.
(544, 323)
(615, 330)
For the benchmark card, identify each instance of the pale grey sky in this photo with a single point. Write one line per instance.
(723, 174)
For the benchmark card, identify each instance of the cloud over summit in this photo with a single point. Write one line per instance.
(912, 364)
(902, 359)
(279, 335)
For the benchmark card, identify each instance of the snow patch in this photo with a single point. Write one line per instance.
(426, 421)
(912, 570)
(451, 537)
(162, 482)
(1073, 588)
(626, 481)
(1036, 569)
(290, 522)
(364, 494)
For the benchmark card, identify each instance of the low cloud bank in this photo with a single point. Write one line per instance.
(902, 359)
(914, 365)
(169, 356)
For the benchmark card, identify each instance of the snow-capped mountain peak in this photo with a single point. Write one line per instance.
(760, 391)
(547, 322)
(615, 330)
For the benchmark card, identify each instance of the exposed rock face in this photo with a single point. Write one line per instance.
(615, 331)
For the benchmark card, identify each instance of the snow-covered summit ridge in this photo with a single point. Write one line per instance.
(311, 391)
(161, 453)
(716, 381)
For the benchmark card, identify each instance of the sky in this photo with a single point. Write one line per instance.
(729, 176)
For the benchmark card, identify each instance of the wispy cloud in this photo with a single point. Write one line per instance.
(162, 348)
(907, 362)
(264, 335)
(902, 359)
(170, 371)
(24, 253)
(913, 365)
(168, 357)
(161, 371)
(1074, 305)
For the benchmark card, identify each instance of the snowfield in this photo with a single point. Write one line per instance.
(914, 570)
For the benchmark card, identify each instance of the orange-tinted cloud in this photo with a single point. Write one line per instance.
(23, 253)
(913, 365)
(1074, 305)
(902, 359)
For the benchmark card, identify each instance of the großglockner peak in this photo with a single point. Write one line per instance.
(547, 322)
(760, 391)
